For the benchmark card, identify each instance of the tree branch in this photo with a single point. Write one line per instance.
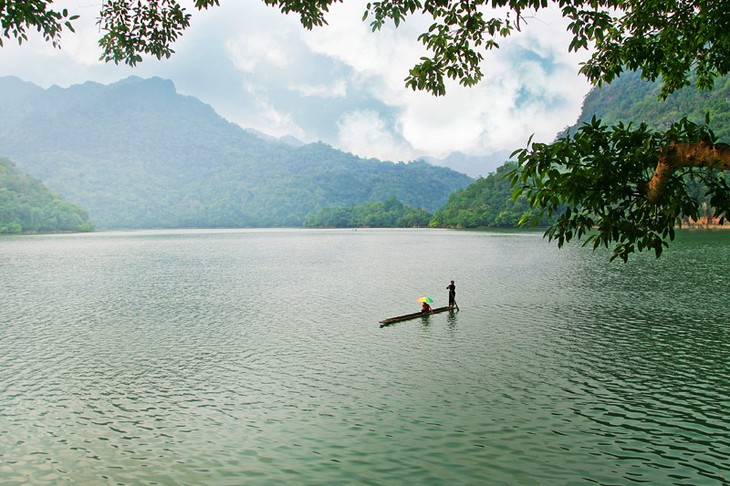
(685, 154)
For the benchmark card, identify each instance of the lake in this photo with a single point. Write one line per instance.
(256, 357)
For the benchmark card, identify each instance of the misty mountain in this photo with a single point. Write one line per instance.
(287, 139)
(137, 154)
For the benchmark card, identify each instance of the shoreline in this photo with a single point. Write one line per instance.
(695, 226)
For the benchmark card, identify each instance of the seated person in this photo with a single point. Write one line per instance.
(425, 307)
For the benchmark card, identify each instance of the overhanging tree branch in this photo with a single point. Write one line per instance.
(683, 154)
(594, 182)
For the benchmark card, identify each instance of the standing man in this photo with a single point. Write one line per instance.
(452, 294)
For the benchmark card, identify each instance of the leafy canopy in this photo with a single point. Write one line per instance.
(662, 38)
(595, 183)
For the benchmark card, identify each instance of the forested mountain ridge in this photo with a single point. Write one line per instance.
(26, 205)
(137, 154)
(630, 98)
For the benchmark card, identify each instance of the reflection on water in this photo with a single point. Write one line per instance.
(255, 356)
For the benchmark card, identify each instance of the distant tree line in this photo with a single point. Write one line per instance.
(487, 203)
(26, 205)
(390, 213)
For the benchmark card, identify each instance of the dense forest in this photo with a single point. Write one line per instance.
(26, 205)
(488, 202)
(377, 214)
(136, 154)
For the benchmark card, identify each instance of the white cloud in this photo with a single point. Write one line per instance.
(265, 117)
(369, 136)
(380, 59)
(340, 83)
(518, 96)
(248, 54)
(336, 89)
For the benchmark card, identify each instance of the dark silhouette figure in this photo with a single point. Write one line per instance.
(452, 294)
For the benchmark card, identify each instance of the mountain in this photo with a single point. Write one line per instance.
(487, 203)
(137, 154)
(631, 99)
(287, 139)
(26, 205)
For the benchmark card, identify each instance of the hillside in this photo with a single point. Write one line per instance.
(487, 203)
(629, 98)
(26, 205)
(137, 154)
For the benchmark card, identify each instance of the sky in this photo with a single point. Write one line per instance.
(341, 84)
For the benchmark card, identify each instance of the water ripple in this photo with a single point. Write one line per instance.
(255, 357)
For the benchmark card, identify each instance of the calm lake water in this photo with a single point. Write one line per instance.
(256, 357)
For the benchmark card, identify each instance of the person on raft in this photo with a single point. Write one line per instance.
(425, 307)
(452, 294)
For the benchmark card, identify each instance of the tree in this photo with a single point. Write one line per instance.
(661, 38)
(599, 183)
(669, 40)
(390, 213)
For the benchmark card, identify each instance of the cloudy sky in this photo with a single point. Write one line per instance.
(341, 84)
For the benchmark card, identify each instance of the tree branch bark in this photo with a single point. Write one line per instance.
(676, 155)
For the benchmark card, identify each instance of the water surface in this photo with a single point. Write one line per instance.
(256, 357)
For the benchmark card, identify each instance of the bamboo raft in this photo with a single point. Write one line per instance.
(415, 315)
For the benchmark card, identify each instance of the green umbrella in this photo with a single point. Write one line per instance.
(425, 299)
